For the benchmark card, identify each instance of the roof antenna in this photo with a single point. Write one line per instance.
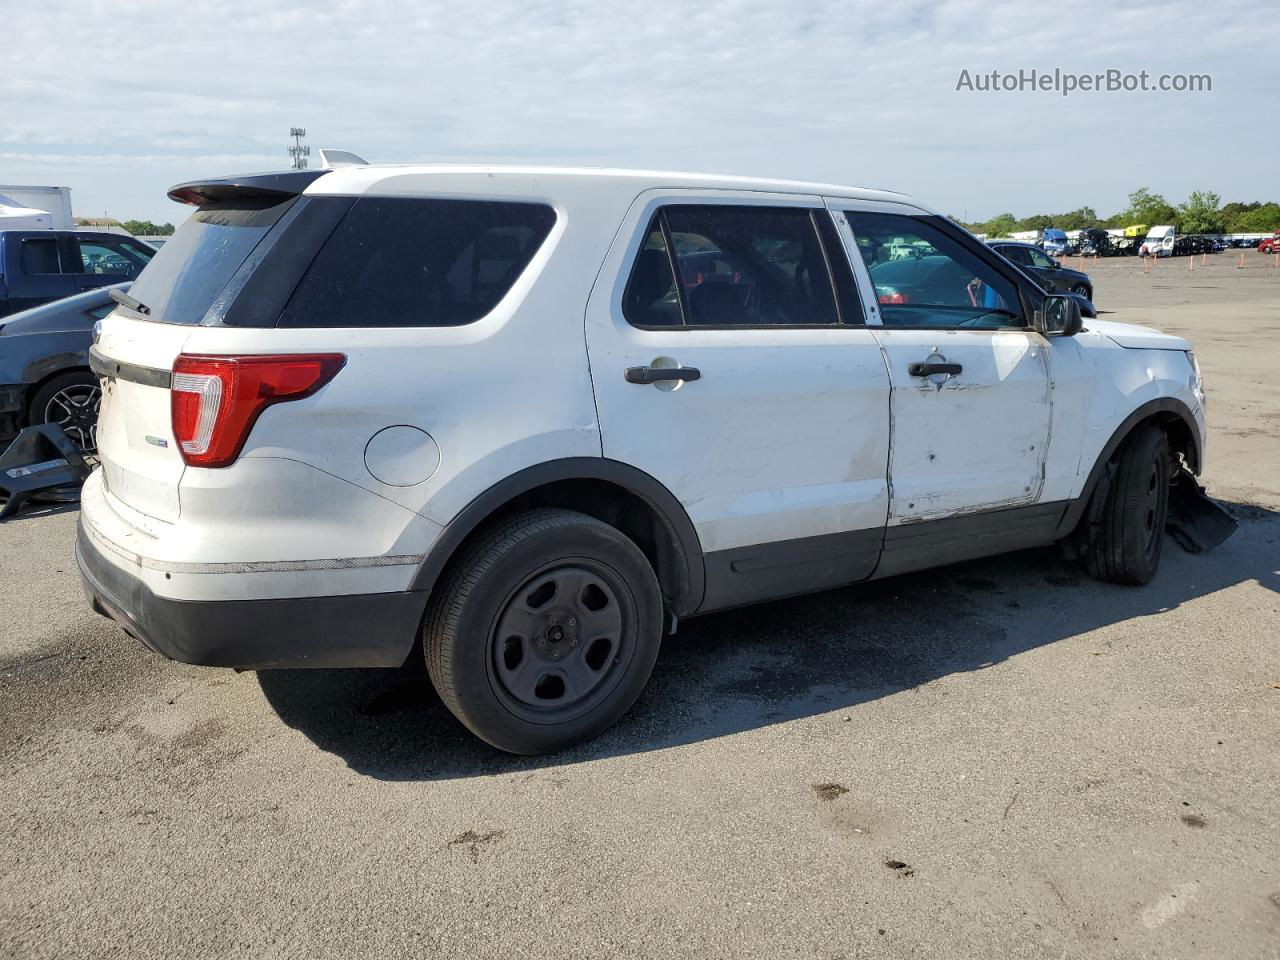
(330, 158)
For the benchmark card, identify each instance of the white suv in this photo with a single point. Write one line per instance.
(531, 417)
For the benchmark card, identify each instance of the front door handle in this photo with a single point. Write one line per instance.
(657, 374)
(929, 369)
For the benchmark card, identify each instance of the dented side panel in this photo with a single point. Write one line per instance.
(971, 441)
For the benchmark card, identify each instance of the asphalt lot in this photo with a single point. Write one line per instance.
(999, 759)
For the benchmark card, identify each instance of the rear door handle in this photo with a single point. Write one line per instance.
(929, 369)
(658, 374)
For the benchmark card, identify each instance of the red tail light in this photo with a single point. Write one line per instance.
(894, 299)
(215, 401)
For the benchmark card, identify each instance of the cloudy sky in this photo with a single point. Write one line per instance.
(119, 99)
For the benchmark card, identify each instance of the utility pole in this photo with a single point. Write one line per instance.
(298, 152)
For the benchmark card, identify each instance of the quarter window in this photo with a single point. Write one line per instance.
(736, 266)
(923, 277)
(400, 262)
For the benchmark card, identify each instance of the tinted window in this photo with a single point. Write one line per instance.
(651, 299)
(406, 262)
(186, 275)
(40, 256)
(749, 266)
(110, 258)
(1040, 259)
(1018, 255)
(925, 277)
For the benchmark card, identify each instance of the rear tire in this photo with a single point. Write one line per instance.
(545, 632)
(1130, 535)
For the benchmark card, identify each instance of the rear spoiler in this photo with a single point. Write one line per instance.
(290, 183)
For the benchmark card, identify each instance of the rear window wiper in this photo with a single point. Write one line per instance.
(137, 306)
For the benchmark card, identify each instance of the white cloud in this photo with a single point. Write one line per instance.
(851, 92)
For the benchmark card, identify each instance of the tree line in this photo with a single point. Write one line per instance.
(1202, 212)
(139, 228)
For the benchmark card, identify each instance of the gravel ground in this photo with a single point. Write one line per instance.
(1001, 759)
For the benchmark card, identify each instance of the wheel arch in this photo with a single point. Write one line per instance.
(617, 493)
(1171, 415)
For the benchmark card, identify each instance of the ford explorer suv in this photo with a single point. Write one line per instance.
(522, 421)
(37, 266)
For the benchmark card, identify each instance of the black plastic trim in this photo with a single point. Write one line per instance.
(361, 630)
(770, 571)
(687, 582)
(1149, 409)
(288, 183)
(934, 543)
(132, 372)
(266, 280)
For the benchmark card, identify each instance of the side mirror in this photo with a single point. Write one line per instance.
(1059, 316)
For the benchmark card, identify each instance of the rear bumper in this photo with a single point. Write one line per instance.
(359, 630)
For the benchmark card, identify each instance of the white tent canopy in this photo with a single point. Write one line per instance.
(15, 217)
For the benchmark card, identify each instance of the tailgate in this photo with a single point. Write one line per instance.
(141, 463)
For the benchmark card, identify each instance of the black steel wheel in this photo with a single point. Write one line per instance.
(1127, 545)
(544, 631)
(72, 401)
(560, 641)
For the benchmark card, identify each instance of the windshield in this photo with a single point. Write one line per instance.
(186, 275)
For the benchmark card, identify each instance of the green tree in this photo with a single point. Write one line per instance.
(145, 228)
(1149, 208)
(1038, 222)
(999, 226)
(1252, 217)
(1078, 219)
(1200, 213)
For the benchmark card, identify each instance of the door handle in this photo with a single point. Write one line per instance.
(658, 374)
(929, 369)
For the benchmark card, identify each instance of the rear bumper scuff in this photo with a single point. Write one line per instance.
(358, 630)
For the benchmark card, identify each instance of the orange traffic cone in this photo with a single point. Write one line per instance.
(1240, 265)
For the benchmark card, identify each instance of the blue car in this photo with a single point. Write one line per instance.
(44, 367)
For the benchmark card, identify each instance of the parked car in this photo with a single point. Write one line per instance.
(44, 366)
(1270, 244)
(1053, 275)
(349, 412)
(38, 266)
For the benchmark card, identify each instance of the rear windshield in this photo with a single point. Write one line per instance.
(185, 277)
(409, 262)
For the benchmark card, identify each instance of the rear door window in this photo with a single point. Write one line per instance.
(407, 262)
(1018, 255)
(186, 275)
